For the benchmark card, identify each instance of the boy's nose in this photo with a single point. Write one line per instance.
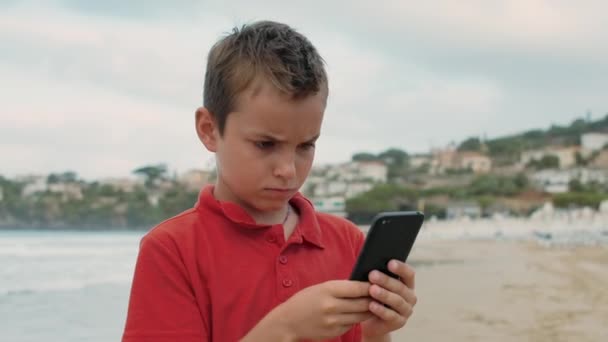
(286, 168)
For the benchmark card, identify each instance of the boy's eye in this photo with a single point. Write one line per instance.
(307, 146)
(264, 145)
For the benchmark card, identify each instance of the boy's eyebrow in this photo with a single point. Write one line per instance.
(266, 136)
(314, 138)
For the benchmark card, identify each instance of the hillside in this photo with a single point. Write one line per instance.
(505, 150)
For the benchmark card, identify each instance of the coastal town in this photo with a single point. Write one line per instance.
(467, 179)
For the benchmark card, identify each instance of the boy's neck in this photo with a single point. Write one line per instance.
(282, 216)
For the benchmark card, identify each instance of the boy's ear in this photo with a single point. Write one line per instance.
(206, 129)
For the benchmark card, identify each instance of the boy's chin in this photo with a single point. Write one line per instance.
(265, 205)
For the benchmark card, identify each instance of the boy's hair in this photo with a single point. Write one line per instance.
(266, 49)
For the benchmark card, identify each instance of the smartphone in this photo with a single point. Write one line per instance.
(391, 236)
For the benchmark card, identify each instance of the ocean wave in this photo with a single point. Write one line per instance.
(61, 286)
(37, 250)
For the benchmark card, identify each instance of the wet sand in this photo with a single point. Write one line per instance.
(508, 291)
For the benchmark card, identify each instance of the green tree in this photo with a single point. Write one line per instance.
(397, 161)
(575, 185)
(364, 156)
(494, 185)
(546, 162)
(579, 199)
(394, 156)
(470, 144)
(152, 174)
(383, 197)
(64, 177)
(177, 200)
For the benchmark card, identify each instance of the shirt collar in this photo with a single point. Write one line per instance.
(308, 226)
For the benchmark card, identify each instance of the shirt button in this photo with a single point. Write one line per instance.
(271, 238)
(283, 259)
(287, 283)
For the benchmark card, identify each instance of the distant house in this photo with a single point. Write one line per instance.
(419, 160)
(475, 161)
(565, 155)
(601, 160)
(558, 181)
(450, 158)
(463, 209)
(551, 181)
(594, 141)
(122, 184)
(443, 159)
(194, 180)
(346, 180)
(356, 188)
(376, 171)
(33, 184)
(330, 188)
(67, 190)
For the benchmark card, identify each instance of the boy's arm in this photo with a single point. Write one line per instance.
(162, 305)
(271, 328)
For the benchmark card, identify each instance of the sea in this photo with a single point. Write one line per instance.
(69, 286)
(65, 286)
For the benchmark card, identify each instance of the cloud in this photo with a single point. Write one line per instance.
(104, 87)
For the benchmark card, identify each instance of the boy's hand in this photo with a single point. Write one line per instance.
(397, 294)
(325, 310)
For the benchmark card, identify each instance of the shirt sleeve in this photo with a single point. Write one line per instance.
(163, 306)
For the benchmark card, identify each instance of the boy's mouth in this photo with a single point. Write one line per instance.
(280, 190)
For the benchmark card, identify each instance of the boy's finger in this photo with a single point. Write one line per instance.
(404, 271)
(357, 305)
(354, 318)
(400, 304)
(348, 289)
(387, 314)
(389, 283)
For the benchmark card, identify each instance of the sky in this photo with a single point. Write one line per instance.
(104, 87)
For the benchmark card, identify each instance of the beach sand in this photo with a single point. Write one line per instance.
(508, 291)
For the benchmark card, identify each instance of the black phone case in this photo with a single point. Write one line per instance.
(391, 236)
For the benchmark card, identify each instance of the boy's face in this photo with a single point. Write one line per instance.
(267, 148)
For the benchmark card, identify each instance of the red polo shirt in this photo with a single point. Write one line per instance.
(211, 273)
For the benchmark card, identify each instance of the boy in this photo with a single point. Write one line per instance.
(253, 261)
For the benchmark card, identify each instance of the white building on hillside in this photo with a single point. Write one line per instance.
(194, 180)
(475, 161)
(376, 171)
(346, 180)
(594, 141)
(420, 160)
(67, 190)
(33, 184)
(124, 184)
(558, 181)
(565, 155)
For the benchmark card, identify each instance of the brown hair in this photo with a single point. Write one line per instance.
(272, 50)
